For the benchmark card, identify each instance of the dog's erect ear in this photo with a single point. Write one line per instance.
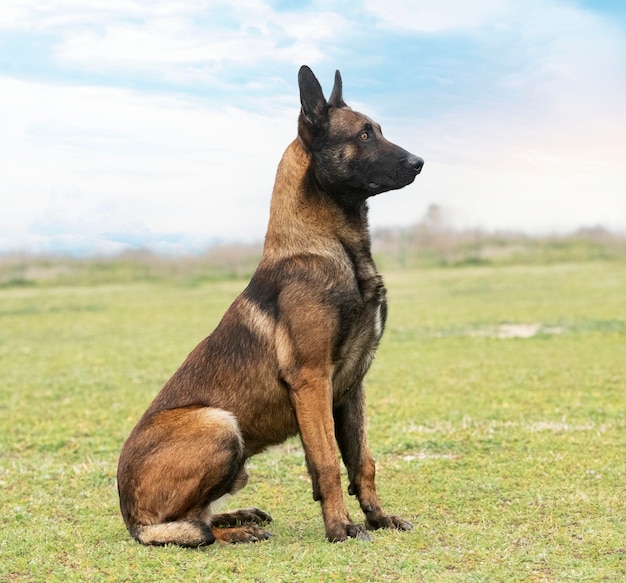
(336, 97)
(314, 107)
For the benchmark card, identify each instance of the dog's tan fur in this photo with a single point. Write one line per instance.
(289, 355)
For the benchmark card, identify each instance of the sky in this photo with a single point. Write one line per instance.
(160, 124)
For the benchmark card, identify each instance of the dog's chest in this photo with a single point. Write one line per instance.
(361, 335)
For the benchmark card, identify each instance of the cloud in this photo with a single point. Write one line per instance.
(181, 40)
(92, 161)
(433, 17)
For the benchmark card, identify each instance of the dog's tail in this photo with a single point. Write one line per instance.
(183, 533)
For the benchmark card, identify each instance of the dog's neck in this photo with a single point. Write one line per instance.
(304, 219)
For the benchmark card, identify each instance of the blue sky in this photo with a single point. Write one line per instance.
(134, 123)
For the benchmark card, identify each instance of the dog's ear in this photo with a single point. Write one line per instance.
(336, 97)
(314, 112)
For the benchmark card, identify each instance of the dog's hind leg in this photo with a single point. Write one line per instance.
(174, 464)
(241, 525)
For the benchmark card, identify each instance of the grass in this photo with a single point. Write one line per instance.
(506, 453)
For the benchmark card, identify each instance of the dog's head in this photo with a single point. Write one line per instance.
(351, 158)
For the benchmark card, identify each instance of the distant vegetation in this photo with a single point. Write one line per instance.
(429, 243)
(433, 242)
(218, 263)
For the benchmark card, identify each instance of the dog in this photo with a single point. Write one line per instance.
(288, 357)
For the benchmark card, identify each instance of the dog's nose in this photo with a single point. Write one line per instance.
(416, 163)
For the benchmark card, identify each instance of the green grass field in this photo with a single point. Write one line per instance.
(497, 418)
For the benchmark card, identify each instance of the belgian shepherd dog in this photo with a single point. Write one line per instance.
(288, 357)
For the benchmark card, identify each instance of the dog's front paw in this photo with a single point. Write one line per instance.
(374, 522)
(345, 531)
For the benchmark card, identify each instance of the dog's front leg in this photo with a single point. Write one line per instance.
(352, 439)
(311, 396)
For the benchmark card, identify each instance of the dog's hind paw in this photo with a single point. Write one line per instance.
(239, 517)
(259, 516)
(241, 534)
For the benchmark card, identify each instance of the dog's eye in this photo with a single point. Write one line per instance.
(364, 136)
